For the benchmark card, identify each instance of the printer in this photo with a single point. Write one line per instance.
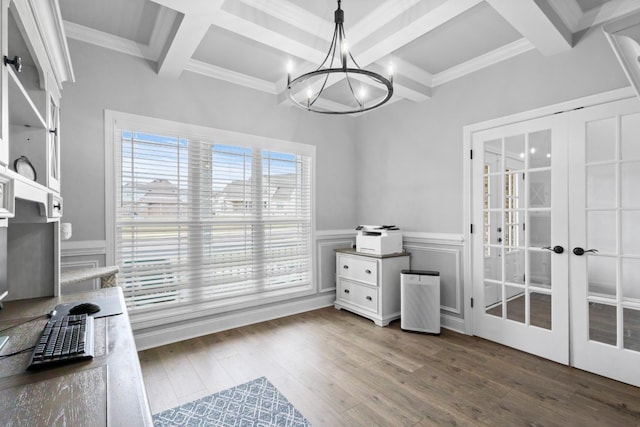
(378, 239)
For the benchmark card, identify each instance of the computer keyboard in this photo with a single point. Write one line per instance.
(64, 340)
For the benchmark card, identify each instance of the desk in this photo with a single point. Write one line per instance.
(105, 391)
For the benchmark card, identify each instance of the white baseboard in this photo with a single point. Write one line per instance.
(196, 328)
(455, 324)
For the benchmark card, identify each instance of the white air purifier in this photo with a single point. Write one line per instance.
(420, 301)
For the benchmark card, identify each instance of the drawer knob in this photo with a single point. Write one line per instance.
(346, 267)
(346, 291)
(369, 298)
(367, 271)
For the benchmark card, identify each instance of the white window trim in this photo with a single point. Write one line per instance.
(116, 119)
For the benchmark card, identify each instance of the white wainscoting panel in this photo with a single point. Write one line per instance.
(326, 244)
(442, 253)
(445, 261)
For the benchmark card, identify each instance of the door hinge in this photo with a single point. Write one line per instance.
(471, 154)
(523, 176)
(471, 229)
(471, 302)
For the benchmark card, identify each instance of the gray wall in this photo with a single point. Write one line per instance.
(410, 158)
(401, 164)
(109, 80)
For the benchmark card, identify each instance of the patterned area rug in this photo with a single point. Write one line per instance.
(256, 403)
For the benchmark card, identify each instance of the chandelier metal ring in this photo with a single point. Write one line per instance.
(309, 106)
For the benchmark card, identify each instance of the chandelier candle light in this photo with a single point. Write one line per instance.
(347, 77)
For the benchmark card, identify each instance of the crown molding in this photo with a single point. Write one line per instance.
(48, 19)
(495, 56)
(219, 73)
(108, 41)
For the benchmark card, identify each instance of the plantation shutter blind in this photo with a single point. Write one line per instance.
(199, 220)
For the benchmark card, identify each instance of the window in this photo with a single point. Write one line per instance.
(213, 219)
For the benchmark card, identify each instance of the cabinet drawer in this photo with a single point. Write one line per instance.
(360, 269)
(362, 296)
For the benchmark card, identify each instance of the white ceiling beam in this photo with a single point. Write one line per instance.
(187, 33)
(545, 31)
(161, 30)
(183, 42)
(569, 11)
(408, 70)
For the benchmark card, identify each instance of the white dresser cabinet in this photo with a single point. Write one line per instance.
(369, 285)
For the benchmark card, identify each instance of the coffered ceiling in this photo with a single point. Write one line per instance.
(250, 42)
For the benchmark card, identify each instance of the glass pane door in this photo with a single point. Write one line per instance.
(519, 198)
(53, 146)
(605, 239)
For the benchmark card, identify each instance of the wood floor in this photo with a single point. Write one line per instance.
(339, 369)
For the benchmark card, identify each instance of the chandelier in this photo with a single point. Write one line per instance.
(350, 89)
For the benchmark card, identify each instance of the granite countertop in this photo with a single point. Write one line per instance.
(81, 274)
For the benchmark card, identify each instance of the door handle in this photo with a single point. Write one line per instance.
(557, 249)
(579, 251)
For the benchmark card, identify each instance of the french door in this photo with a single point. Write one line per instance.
(605, 240)
(559, 207)
(520, 218)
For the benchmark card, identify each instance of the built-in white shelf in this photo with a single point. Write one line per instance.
(23, 111)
